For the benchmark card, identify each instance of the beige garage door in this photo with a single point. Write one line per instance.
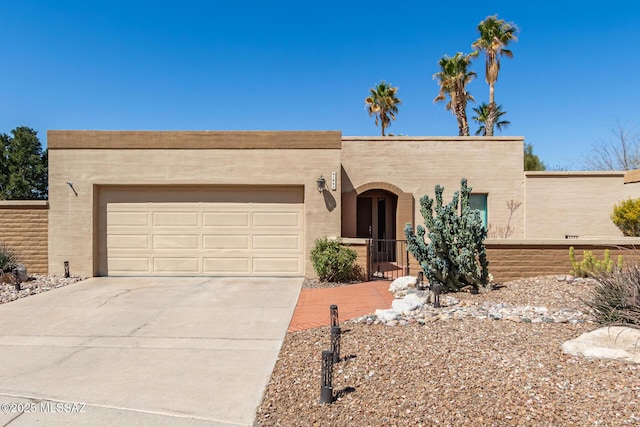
(242, 232)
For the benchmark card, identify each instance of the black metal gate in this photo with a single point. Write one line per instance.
(388, 259)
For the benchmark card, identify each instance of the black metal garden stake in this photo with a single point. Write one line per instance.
(335, 343)
(326, 386)
(436, 295)
(17, 279)
(333, 314)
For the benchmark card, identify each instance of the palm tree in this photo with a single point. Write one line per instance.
(383, 104)
(495, 35)
(482, 112)
(453, 78)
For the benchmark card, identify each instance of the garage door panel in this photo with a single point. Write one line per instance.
(275, 241)
(176, 265)
(128, 219)
(225, 241)
(176, 241)
(211, 237)
(240, 265)
(176, 219)
(225, 219)
(129, 265)
(276, 265)
(128, 241)
(276, 219)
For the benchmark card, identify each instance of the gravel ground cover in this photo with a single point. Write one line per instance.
(466, 372)
(315, 283)
(36, 284)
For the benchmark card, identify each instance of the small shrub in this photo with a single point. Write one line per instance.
(333, 262)
(626, 216)
(590, 265)
(616, 297)
(8, 258)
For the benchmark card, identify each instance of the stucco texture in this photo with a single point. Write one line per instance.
(74, 212)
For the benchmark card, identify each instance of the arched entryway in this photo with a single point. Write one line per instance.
(376, 219)
(381, 212)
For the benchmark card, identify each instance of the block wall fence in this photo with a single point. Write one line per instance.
(24, 228)
(518, 259)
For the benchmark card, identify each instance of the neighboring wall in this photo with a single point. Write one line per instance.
(23, 228)
(416, 164)
(560, 204)
(515, 259)
(518, 259)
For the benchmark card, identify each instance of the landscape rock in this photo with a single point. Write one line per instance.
(386, 315)
(402, 284)
(36, 283)
(408, 303)
(612, 342)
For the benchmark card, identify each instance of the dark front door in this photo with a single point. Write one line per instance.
(376, 221)
(364, 228)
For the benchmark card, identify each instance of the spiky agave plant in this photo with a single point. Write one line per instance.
(616, 297)
(8, 258)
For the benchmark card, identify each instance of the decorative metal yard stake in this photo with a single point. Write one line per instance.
(66, 269)
(333, 314)
(17, 278)
(326, 387)
(436, 295)
(335, 343)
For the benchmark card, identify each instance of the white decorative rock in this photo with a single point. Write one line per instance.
(386, 315)
(613, 342)
(402, 284)
(408, 303)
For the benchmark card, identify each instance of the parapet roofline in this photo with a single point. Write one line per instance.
(92, 139)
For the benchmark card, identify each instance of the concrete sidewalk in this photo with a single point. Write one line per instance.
(143, 351)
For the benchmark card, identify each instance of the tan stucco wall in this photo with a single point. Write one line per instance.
(23, 228)
(416, 164)
(200, 158)
(573, 203)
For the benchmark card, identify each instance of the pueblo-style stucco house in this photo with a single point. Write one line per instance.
(247, 203)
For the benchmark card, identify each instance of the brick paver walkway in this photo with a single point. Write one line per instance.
(356, 300)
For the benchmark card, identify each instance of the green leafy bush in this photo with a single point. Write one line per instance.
(590, 265)
(626, 216)
(616, 297)
(333, 262)
(455, 256)
(8, 258)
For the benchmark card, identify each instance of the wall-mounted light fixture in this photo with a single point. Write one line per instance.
(70, 184)
(321, 182)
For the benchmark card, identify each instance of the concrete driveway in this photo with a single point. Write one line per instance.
(143, 351)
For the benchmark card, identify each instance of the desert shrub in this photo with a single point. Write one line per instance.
(590, 265)
(334, 262)
(626, 216)
(455, 256)
(8, 258)
(616, 297)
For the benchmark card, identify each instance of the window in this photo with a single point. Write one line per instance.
(479, 203)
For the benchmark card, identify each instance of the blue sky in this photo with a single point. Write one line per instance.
(296, 65)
